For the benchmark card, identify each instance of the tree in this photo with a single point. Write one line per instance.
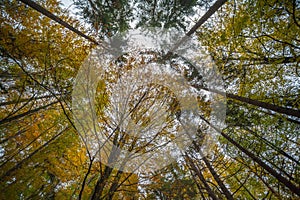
(41, 155)
(44, 155)
(137, 117)
(110, 17)
(250, 48)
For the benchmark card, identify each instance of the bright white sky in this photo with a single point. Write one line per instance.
(66, 3)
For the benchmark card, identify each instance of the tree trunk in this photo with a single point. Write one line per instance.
(8, 173)
(26, 100)
(217, 178)
(268, 106)
(202, 179)
(10, 119)
(98, 190)
(274, 173)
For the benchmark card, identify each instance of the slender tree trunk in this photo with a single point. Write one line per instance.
(276, 115)
(202, 179)
(98, 190)
(202, 20)
(217, 178)
(42, 10)
(114, 186)
(85, 178)
(213, 172)
(25, 100)
(8, 173)
(279, 150)
(268, 106)
(279, 109)
(13, 118)
(199, 188)
(113, 156)
(273, 172)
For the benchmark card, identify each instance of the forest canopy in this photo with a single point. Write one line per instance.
(255, 47)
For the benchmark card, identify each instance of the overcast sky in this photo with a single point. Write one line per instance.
(69, 4)
(66, 3)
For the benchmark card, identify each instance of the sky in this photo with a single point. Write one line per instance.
(66, 2)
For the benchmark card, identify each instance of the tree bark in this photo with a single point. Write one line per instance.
(13, 118)
(202, 179)
(8, 173)
(217, 178)
(26, 100)
(273, 172)
(98, 190)
(85, 178)
(268, 106)
(47, 13)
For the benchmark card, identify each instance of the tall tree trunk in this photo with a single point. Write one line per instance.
(113, 156)
(85, 178)
(20, 164)
(42, 10)
(26, 100)
(202, 179)
(217, 178)
(13, 118)
(275, 108)
(213, 172)
(202, 20)
(114, 186)
(273, 146)
(98, 190)
(273, 172)
(268, 106)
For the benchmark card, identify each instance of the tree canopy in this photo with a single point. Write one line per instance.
(110, 17)
(43, 154)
